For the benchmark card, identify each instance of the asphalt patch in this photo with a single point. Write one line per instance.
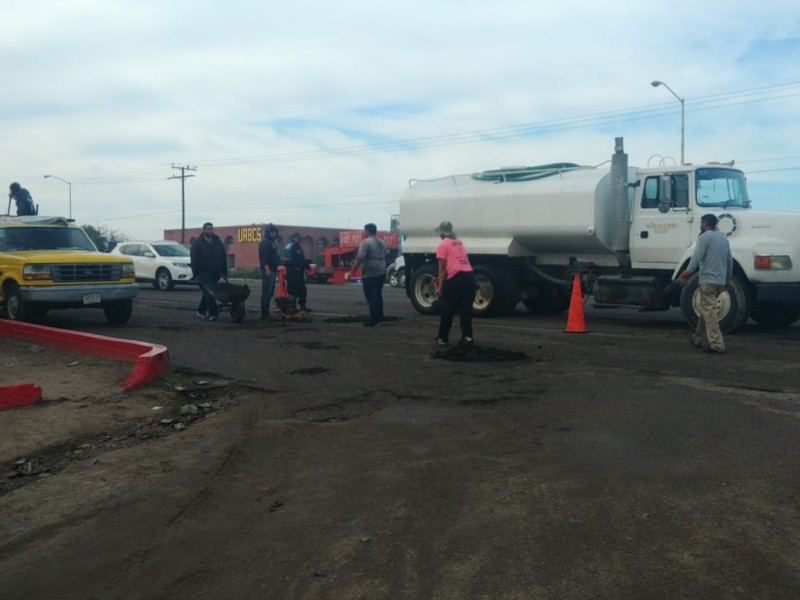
(317, 346)
(309, 371)
(357, 319)
(478, 354)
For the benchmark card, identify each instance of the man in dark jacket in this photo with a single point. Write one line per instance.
(209, 264)
(268, 263)
(23, 199)
(296, 264)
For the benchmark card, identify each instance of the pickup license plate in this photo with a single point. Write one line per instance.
(92, 299)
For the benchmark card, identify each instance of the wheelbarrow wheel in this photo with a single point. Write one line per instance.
(237, 311)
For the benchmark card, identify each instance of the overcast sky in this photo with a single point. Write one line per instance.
(318, 113)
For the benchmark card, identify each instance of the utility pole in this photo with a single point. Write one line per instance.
(183, 177)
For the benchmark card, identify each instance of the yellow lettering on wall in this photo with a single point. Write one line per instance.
(249, 234)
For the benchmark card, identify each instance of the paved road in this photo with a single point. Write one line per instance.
(351, 463)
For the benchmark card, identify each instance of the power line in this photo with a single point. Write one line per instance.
(596, 119)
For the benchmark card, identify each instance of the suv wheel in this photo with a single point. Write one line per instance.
(163, 280)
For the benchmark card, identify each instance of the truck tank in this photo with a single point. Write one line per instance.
(570, 213)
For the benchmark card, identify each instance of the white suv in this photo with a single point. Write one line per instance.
(163, 263)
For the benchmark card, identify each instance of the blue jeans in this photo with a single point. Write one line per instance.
(373, 292)
(267, 290)
(208, 305)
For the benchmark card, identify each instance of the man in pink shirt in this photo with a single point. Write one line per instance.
(455, 287)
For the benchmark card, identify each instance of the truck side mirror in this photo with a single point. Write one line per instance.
(664, 193)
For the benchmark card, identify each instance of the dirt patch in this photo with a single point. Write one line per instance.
(181, 406)
(84, 411)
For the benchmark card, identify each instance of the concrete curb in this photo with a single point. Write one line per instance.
(150, 360)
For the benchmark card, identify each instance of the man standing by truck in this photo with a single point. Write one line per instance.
(712, 256)
(371, 258)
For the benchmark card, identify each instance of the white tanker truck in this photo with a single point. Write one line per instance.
(626, 231)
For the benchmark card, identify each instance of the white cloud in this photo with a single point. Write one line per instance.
(110, 94)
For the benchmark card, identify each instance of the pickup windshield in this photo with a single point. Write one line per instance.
(721, 187)
(19, 239)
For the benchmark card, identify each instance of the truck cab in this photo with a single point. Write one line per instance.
(49, 262)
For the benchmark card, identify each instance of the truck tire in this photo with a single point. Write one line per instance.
(549, 300)
(497, 292)
(733, 307)
(118, 312)
(422, 288)
(398, 278)
(776, 314)
(16, 309)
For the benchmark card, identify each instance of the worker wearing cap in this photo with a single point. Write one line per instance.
(455, 286)
(712, 257)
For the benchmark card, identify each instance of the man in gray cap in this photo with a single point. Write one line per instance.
(455, 286)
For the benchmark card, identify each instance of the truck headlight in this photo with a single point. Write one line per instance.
(32, 272)
(128, 272)
(765, 262)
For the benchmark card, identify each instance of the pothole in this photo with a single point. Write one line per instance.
(479, 354)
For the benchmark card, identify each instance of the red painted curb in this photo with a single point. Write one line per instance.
(150, 360)
(19, 395)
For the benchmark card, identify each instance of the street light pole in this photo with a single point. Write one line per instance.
(69, 183)
(657, 83)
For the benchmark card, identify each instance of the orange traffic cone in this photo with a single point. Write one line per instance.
(576, 322)
(282, 282)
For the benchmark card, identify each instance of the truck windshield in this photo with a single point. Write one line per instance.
(721, 187)
(18, 239)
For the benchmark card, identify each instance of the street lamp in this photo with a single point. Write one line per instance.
(69, 183)
(657, 83)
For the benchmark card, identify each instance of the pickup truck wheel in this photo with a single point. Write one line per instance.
(497, 292)
(733, 307)
(422, 288)
(393, 279)
(118, 312)
(401, 278)
(16, 309)
(775, 314)
(163, 280)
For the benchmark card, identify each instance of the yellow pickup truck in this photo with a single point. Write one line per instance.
(48, 262)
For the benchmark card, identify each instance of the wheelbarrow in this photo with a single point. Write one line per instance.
(229, 295)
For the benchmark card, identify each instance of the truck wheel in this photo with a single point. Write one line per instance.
(118, 312)
(497, 293)
(393, 281)
(422, 288)
(401, 278)
(16, 309)
(163, 280)
(733, 307)
(548, 300)
(775, 314)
